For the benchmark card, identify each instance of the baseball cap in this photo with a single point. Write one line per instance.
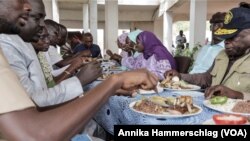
(236, 20)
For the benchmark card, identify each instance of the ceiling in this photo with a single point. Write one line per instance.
(180, 9)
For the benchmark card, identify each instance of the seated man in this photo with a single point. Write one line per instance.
(88, 45)
(17, 110)
(207, 54)
(23, 60)
(230, 73)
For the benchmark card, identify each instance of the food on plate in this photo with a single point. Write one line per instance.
(106, 75)
(166, 105)
(175, 83)
(115, 67)
(218, 100)
(229, 119)
(242, 107)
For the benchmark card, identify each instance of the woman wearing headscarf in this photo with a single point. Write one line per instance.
(126, 42)
(154, 55)
(121, 43)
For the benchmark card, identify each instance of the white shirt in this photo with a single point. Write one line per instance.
(23, 60)
(53, 57)
(180, 40)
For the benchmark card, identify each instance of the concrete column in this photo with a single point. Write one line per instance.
(111, 25)
(93, 19)
(198, 16)
(167, 30)
(85, 13)
(52, 11)
(48, 9)
(55, 12)
(158, 27)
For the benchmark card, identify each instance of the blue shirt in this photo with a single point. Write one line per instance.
(94, 49)
(205, 57)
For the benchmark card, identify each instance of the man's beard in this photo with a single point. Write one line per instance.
(8, 28)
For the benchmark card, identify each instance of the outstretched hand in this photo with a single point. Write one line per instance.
(89, 72)
(109, 52)
(222, 91)
(138, 79)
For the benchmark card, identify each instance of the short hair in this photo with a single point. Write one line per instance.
(73, 34)
(218, 17)
(88, 34)
(244, 4)
(51, 25)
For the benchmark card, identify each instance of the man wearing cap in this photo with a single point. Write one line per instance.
(207, 53)
(230, 72)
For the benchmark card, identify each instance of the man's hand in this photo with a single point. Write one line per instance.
(85, 53)
(116, 57)
(171, 73)
(109, 52)
(89, 72)
(138, 79)
(222, 91)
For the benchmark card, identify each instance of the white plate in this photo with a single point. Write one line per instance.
(190, 93)
(159, 88)
(131, 105)
(225, 108)
(193, 88)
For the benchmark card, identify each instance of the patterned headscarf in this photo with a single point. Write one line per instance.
(132, 35)
(122, 38)
(153, 46)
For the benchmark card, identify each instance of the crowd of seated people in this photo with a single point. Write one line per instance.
(42, 89)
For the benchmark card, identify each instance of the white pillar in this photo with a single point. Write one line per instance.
(111, 25)
(55, 12)
(85, 13)
(158, 27)
(93, 19)
(167, 30)
(48, 9)
(198, 16)
(52, 11)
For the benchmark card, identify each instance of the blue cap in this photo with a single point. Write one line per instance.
(236, 20)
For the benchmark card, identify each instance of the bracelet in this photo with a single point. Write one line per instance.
(67, 72)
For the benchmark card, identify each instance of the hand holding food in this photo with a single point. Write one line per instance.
(171, 73)
(220, 90)
(174, 83)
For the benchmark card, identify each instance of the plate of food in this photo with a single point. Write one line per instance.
(178, 85)
(228, 105)
(166, 107)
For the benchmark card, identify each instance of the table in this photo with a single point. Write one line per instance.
(117, 112)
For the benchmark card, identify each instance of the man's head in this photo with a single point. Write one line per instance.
(236, 32)
(43, 43)
(53, 29)
(88, 39)
(32, 30)
(63, 35)
(181, 32)
(13, 15)
(216, 22)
